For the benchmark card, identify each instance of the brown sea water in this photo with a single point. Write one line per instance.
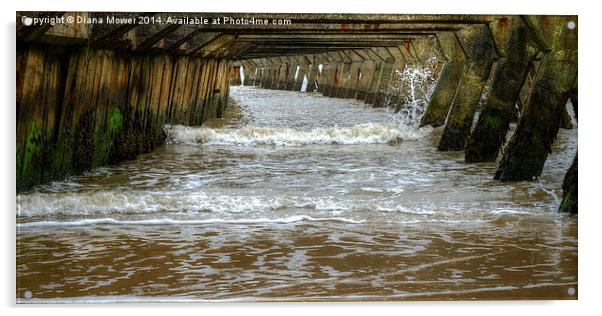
(297, 196)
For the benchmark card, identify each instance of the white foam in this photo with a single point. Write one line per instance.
(168, 221)
(369, 133)
(135, 202)
(195, 204)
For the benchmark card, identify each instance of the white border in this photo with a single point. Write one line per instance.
(589, 140)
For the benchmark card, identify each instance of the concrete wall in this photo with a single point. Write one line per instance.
(81, 108)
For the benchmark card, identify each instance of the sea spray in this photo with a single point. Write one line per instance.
(410, 91)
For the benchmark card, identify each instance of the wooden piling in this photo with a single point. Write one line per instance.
(511, 40)
(447, 85)
(478, 47)
(527, 150)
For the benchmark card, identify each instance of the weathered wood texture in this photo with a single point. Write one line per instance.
(528, 149)
(448, 82)
(79, 109)
(511, 38)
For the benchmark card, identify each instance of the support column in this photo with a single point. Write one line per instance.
(324, 82)
(478, 47)
(373, 85)
(335, 76)
(383, 83)
(569, 190)
(448, 82)
(352, 84)
(510, 36)
(282, 74)
(266, 80)
(344, 79)
(235, 79)
(290, 79)
(320, 74)
(528, 149)
(302, 72)
(259, 76)
(367, 70)
(573, 95)
(252, 74)
(275, 75)
(249, 71)
(313, 74)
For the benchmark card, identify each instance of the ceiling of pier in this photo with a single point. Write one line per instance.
(237, 39)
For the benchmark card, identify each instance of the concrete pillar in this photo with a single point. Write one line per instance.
(569, 190)
(246, 69)
(322, 74)
(290, 79)
(250, 71)
(282, 74)
(344, 78)
(383, 82)
(353, 82)
(275, 75)
(303, 70)
(448, 82)
(367, 70)
(313, 74)
(323, 82)
(510, 36)
(373, 85)
(335, 77)
(478, 47)
(269, 76)
(573, 94)
(333, 74)
(260, 76)
(528, 149)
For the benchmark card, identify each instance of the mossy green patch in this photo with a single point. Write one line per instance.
(493, 122)
(569, 204)
(115, 121)
(104, 138)
(32, 146)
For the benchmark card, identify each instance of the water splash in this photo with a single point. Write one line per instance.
(410, 91)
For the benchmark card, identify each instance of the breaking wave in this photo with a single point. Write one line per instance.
(368, 133)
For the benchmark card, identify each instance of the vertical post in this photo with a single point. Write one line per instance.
(478, 47)
(313, 73)
(510, 36)
(448, 82)
(290, 79)
(528, 149)
(235, 79)
(569, 190)
(282, 74)
(383, 82)
(303, 61)
(366, 72)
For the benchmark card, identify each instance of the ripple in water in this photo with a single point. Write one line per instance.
(300, 197)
